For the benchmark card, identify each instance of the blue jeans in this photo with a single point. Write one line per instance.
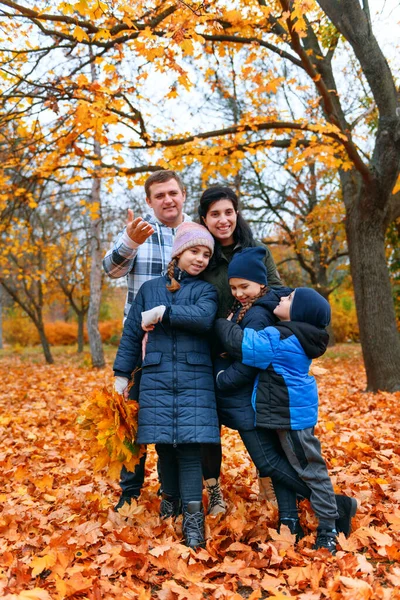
(181, 471)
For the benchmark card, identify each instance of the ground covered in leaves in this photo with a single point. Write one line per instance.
(59, 537)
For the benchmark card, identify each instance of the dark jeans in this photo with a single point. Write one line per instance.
(211, 459)
(269, 458)
(131, 482)
(181, 471)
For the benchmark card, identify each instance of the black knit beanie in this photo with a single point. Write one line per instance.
(310, 307)
(249, 264)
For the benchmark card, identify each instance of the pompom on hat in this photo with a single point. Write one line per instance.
(191, 234)
(249, 264)
(310, 307)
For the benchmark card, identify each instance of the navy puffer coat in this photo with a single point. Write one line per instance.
(176, 397)
(235, 384)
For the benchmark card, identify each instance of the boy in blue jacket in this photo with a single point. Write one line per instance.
(285, 396)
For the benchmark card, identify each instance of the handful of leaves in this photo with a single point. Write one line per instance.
(110, 424)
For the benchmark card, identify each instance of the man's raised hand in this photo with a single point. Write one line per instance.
(137, 229)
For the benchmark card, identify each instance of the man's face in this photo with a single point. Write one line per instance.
(166, 199)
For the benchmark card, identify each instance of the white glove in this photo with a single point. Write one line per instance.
(153, 316)
(120, 384)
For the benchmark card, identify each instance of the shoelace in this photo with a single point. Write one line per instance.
(167, 509)
(193, 523)
(214, 498)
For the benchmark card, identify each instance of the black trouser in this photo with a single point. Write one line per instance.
(181, 471)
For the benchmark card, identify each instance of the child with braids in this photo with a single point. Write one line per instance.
(177, 407)
(279, 403)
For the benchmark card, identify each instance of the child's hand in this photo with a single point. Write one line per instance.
(152, 316)
(229, 317)
(121, 385)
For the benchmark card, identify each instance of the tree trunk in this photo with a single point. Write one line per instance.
(96, 346)
(81, 323)
(45, 343)
(1, 316)
(380, 340)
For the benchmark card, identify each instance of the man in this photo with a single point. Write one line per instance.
(141, 252)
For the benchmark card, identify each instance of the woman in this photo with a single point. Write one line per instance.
(219, 212)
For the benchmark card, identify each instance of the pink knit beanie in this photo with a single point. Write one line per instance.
(191, 234)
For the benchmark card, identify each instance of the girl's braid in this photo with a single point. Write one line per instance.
(250, 303)
(174, 285)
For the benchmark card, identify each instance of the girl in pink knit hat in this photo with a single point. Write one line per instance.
(177, 407)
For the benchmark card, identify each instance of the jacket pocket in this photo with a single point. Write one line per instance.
(152, 358)
(198, 358)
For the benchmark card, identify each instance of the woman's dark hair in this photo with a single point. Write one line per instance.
(242, 234)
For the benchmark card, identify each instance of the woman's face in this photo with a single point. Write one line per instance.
(221, 221)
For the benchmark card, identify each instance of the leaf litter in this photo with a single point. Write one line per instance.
(60, 538)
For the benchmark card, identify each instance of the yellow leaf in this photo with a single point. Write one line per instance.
(35, 594)
(40, 563)
(80, 34)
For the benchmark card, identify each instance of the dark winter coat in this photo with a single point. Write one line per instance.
(285, 396)
(217, 274)
(176, 397)
(236, 381)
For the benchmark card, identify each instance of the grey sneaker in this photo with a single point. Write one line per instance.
(169, 507)
(193, 525)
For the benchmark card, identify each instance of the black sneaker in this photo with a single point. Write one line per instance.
(124, 498)
(193, 525)
(326, 539)
(294, 527)
(347, 508)
(170, 507)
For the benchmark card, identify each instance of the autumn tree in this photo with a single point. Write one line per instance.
(347, 119)
(24, 259)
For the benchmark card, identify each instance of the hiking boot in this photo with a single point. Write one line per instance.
(347, 508)
(266, 490)
(124, 498)
(216, 502)
(193, 525)
(294, 527)
(326, 539)
(170, 507)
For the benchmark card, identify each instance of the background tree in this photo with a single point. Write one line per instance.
(297, 97)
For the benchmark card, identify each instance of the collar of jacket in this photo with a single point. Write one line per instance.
(180, 275)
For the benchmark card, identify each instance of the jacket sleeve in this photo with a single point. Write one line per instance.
(120, 259)
(236, 374)
(231, 336)
(260, 347)
(130, 347)
(198, 317)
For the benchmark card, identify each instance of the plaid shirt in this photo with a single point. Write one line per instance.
(140, 263)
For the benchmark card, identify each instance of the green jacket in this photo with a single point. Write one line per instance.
(217, 274)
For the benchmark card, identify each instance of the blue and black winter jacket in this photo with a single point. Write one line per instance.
(176, 396)
(285, 396)
(235, 381)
